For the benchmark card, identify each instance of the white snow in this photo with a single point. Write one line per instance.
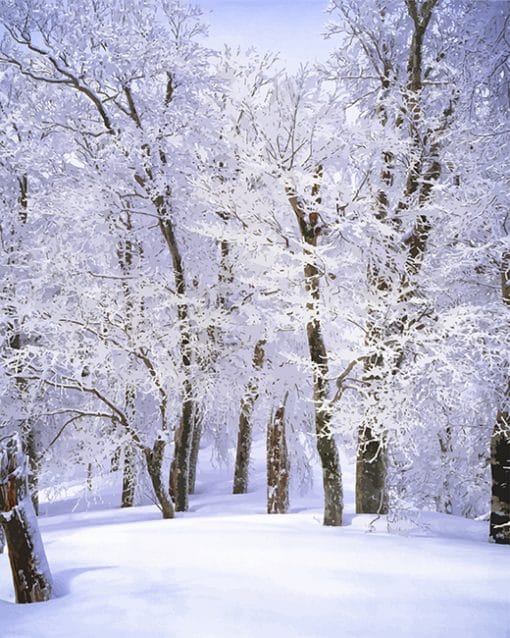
(226, 569)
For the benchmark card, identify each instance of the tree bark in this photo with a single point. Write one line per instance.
(278, 465)
(244, 435)
(30, 572)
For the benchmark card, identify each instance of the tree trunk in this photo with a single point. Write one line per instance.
(277, 464)
(326, 446)
(179, 471)
(128, 477)
(244, 436)
(371, 492)
(154, 459)
(500, 446)
(500, 471)
(371, 456)
(30, 572)
(30, 447)
(195, 448)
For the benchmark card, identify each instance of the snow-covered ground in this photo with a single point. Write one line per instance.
(227, 570)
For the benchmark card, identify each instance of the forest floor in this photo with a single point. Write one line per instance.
(227, 570)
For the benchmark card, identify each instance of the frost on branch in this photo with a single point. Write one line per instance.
(30, 573)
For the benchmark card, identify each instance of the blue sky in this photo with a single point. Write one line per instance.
(292, 27)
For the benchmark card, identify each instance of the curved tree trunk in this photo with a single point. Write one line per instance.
(154, 459)
(30, 572)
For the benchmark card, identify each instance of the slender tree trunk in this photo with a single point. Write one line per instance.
(244, 436)
(500, 446)
(126, 250)
(278, 465)
(30, 572)
(326, 446)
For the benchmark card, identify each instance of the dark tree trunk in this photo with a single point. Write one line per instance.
(128, 477)
(371, 457)
(195, 448)
(179, 471)
(326, 446)
(154, 459)
(371, 493)
(500, 446)
(500, 471)
(30, 572)
(277, 464)
(244, 436)
(30, 447)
